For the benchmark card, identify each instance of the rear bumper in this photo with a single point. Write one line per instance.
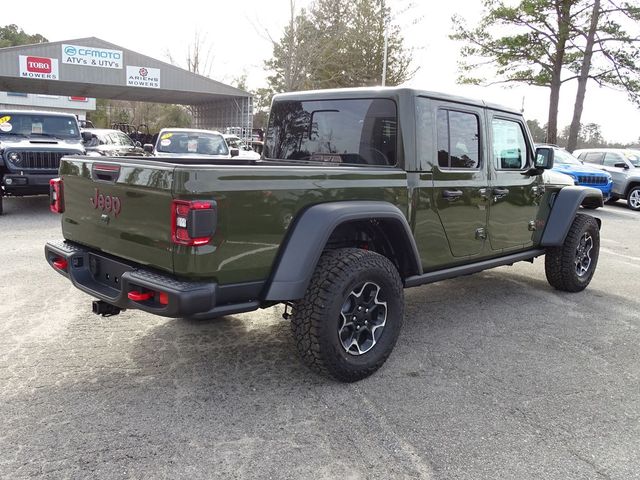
(27, 184)
(111, 279)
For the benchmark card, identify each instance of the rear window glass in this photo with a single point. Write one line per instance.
(360, 132)
(195, 143)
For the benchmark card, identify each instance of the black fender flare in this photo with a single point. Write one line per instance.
(563, 211)
(308, 235)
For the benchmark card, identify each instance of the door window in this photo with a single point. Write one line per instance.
(509, 145)
(610, 159)
(593, 157)
(125, 140)
(458, 140)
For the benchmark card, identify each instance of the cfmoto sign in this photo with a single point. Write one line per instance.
(91, 57)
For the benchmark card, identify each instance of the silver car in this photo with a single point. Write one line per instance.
(624, 167)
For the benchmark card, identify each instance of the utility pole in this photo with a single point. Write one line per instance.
(384, 52)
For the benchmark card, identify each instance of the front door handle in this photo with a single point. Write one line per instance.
(500, 192)
(452, 194)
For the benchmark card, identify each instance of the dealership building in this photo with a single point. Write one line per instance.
(69, 76)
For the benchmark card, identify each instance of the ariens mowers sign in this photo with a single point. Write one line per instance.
(143, 77)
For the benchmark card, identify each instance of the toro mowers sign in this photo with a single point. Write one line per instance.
(39, 67)
(143, 77)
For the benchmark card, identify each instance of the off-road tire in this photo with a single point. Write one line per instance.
(560, 263)
(317, 318)
(633, 198)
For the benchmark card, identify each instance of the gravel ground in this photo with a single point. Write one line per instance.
(495, 376)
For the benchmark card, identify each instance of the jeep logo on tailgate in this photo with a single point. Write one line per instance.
(106, 203)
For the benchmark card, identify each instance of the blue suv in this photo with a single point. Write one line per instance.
(582, 174)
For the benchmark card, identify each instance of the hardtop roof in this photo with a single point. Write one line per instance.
(388, 92)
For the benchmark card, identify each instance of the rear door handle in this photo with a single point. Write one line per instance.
(452, 194)
(500, 192)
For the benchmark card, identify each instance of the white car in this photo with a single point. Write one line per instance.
(233, 141)
(192, 143)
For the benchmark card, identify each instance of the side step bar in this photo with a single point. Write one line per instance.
(453, 272)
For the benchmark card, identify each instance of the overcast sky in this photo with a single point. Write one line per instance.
(239, 31)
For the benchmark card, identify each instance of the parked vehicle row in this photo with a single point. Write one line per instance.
(624, 167)
(581, 174)
(31, 146)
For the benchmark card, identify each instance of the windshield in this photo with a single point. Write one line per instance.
(359, 131)
(197, 143)
(27, 124)
(634, 157)
(565, 158)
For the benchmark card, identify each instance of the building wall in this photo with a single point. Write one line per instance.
(55, 103)
(227, 116)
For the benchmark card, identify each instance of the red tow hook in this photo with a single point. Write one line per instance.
(137, 296)
(60, 264)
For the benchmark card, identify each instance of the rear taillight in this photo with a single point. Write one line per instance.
(56, 204)
(60, 263)
(193, 223)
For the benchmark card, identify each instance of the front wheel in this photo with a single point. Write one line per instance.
(350, 317)
(633, 199)
(571, 266)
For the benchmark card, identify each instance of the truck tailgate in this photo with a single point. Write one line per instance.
(122, 208)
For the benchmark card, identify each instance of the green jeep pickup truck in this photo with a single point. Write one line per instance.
(360, 193)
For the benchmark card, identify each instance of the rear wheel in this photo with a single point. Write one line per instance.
(571, 266)
(633, 198)
(350, 317)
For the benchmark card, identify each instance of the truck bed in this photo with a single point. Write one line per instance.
(255, 202)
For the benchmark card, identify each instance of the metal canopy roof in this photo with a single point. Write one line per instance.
(176, 84)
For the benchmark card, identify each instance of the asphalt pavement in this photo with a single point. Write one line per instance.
(495, 376)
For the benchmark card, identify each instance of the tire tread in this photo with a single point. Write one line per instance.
(308, 314)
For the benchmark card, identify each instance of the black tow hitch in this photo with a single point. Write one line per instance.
(105, 309)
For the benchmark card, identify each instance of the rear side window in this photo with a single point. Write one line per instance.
(361, 132)
(592, 157)
(509, 145)
(458, 140)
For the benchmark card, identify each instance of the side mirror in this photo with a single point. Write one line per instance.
(234, 152)
(87, 136)
(621, 165)
(147, 147)
(544, 158)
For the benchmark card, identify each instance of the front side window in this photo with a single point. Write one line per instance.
(509, 146)
(458, 139)
(125, 140)
(611, 159)
(362, 132)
